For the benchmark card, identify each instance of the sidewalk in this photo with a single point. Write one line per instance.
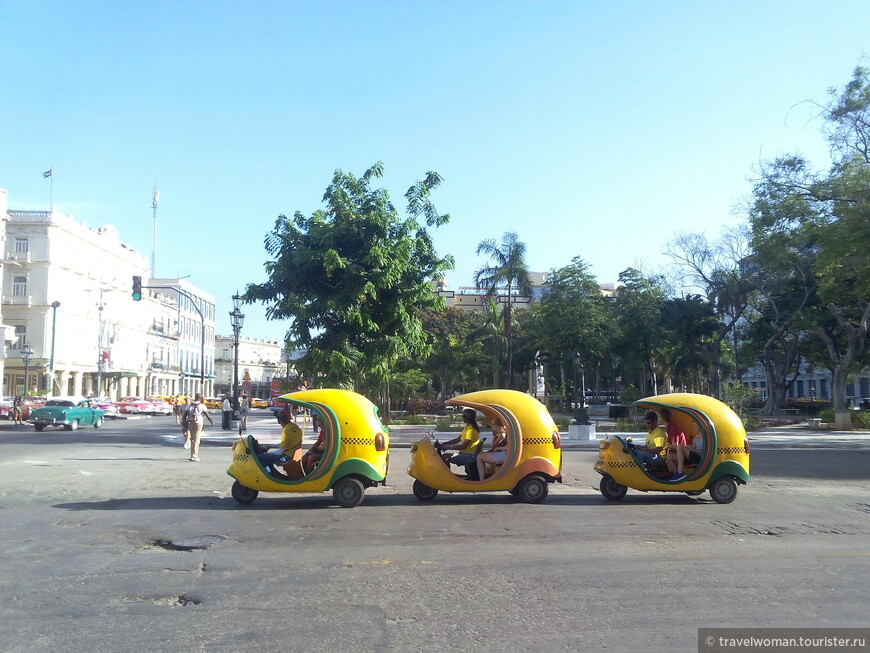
(795, 436)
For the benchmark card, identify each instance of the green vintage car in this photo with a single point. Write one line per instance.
(68, 412)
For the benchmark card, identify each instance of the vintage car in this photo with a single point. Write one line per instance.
(110, 410)
(213, 403)
(68, 412)
(133, 406)
(256, 402)
(159, 406)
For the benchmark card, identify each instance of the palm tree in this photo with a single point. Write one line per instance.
(508, 274)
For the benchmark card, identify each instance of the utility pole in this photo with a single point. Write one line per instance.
(155, 197)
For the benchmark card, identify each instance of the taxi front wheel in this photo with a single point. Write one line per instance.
(723, 489)
(348, 492)
(610, 489)
(424, 492)
(243, 494)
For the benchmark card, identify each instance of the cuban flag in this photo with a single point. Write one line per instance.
(46, 174)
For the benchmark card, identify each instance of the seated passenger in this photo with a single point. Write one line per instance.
(315, 453)
(497, 453)
(676, 439)
(690, 455)
(654, 450)
(467, 443)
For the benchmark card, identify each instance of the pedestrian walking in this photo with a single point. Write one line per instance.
(196, 415)
(244, 407)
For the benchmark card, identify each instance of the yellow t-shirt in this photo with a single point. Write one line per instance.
(291, 438)
(469, 439)
(658, 440)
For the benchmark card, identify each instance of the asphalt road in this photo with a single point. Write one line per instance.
(113, 541)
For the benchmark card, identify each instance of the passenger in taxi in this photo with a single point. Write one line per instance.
(497, 454)
(315, 453)
(676, 439)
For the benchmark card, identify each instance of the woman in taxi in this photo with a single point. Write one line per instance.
(497, 453)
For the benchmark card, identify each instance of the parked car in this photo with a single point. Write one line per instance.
(110, 410)
(159, 406)
(68, 412)
(213, 403)
(137, 406)
(256, 402)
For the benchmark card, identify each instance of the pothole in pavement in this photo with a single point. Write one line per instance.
(177, 601)
(196, 543)
(735, 528)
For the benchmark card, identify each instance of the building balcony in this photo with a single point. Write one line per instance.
(18, 300)
(17, 257)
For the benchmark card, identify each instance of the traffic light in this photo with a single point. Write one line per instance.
(137, 288)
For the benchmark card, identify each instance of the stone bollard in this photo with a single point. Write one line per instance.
(582, 432)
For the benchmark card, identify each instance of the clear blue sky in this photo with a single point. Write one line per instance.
(597, 129)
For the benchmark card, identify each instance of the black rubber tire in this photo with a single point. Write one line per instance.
(349, 492)
(73, 427)
(423, 492)
(39, 427)
(98, 423)
(723, 489)
(610, 489)
(243, 494)
(533, 489)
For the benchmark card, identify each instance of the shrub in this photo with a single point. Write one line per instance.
(627, 425)
(413, 419)
(752, 423)
(826, 414)
(446, 424)
(417, 406)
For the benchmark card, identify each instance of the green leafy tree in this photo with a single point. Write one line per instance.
(572, 318)
(507, 275)
(352, 278)
(641, 337)
(822, 222)
(457, 354)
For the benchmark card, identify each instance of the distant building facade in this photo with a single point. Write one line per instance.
(66, 296)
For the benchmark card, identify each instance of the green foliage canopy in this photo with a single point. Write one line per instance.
(352, 277)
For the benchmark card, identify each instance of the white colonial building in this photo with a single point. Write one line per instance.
(66, 293)
(260, 361)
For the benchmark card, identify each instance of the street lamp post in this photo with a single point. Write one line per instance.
(581, 413)
(238, 319)
(51, 377)
(26, 357)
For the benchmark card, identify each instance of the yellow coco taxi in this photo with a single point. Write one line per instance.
(723, 465)
(534, 451)
(355, 452)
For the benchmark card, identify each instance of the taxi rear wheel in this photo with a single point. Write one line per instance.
(348, 492)
(610, 489)
(533, 489)
(243, 494)
(724, 490)
(424, 492)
